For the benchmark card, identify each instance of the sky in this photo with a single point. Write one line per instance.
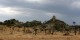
(42, 10)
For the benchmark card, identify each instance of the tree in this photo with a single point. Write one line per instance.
(75, 29)
(36, 24)
(57, 24)
(67, 30)
(11, 23)
(32, 24)
(1, 23)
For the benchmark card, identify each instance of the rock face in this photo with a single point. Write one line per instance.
(56, 24)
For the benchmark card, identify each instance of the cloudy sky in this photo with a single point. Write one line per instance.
(28, 10)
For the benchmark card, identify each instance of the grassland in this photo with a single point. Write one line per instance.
(37, 37)
(18, 34)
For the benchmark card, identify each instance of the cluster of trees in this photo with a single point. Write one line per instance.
(32, 23)
(50, 25)
(14, 22)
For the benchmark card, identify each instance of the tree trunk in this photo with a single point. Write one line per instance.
(11, 31)
(45, 31)
(79, 30)
(75, 30)
(24, 29)
(35, 30)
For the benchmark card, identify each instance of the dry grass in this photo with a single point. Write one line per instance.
(5, 35)
(38, 37)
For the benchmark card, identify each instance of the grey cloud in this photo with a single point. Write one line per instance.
(38, 10)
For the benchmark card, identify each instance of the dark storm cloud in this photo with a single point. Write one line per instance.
(44, 9)
(58, 6)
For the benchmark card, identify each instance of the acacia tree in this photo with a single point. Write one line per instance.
(75, 30)
(55, 24)
(36, 24)
(67, 30)
(11, 23)
(33, 24)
